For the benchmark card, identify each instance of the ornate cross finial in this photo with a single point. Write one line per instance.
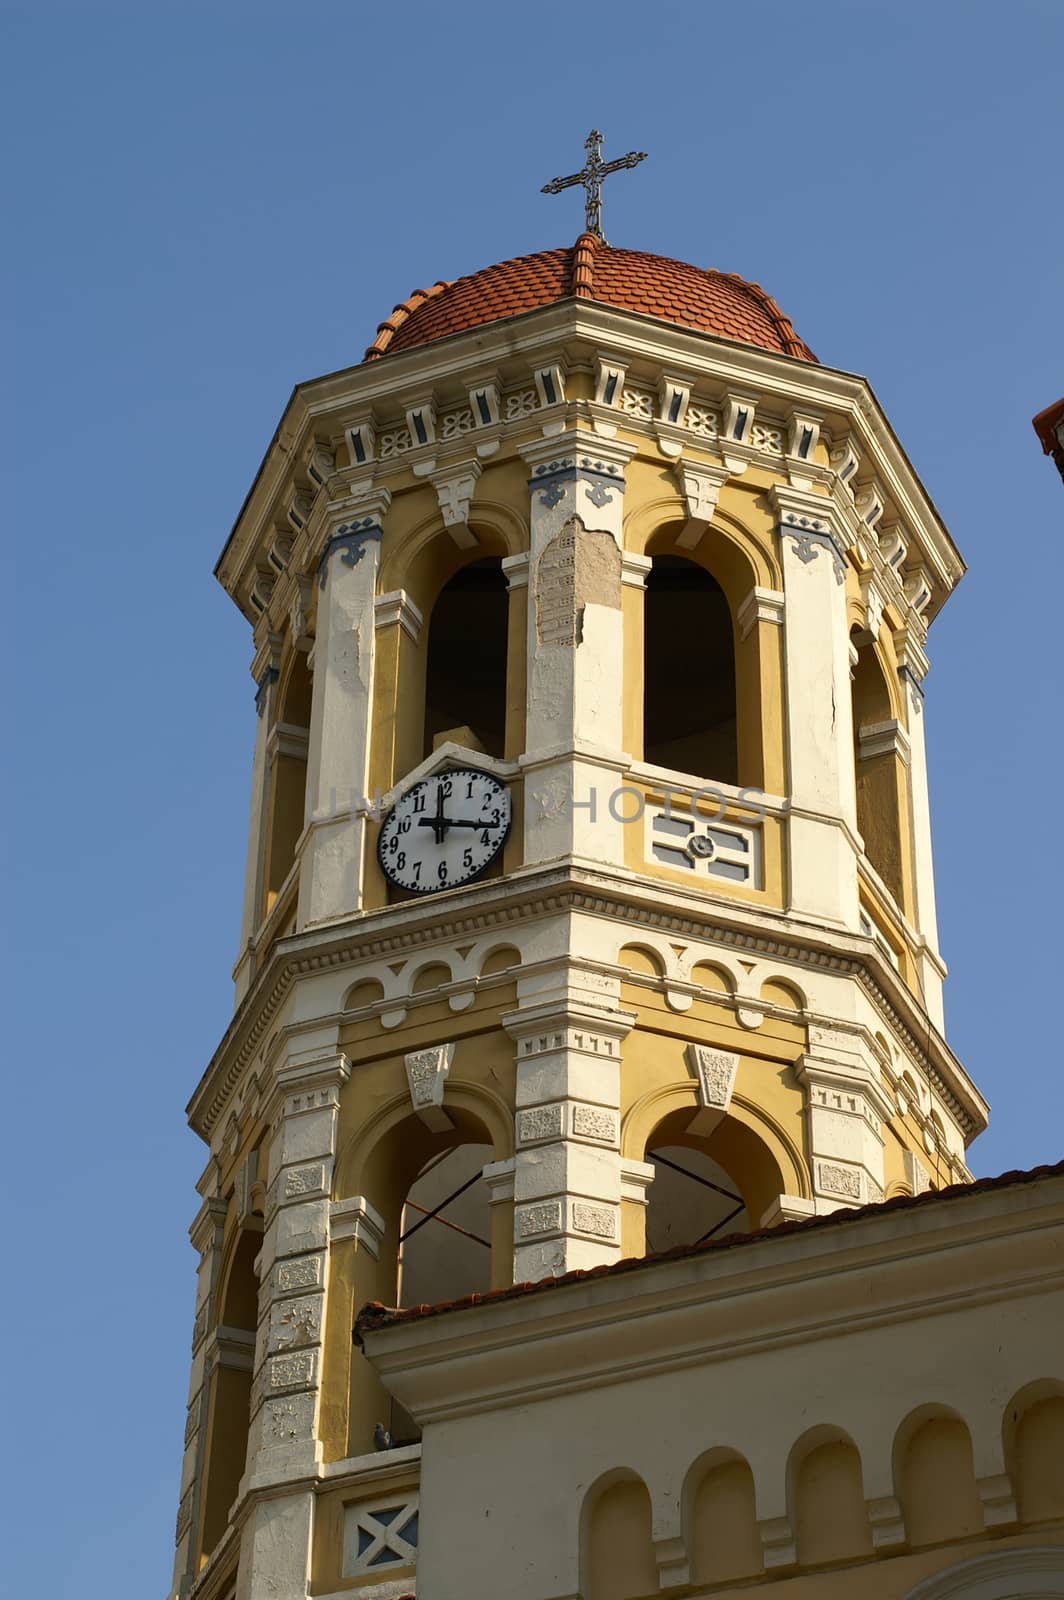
(595, 169)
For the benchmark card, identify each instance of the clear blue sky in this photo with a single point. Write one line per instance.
(209, 202)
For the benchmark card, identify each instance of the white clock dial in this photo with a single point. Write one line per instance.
(445, 830)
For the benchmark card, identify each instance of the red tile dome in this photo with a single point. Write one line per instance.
(719, 303)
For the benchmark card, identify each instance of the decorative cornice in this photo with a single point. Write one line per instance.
(557, 891)
(328, 408)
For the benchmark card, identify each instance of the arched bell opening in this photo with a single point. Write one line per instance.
(689, 691)
(879, 773)
(466, 661)
(286, 811)
(435, 1238)
(229, 1402)
(707, 1184)
(445, 1229)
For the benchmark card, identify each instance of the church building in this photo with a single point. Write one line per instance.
(586, 1213)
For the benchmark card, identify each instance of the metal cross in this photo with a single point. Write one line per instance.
(595, 169)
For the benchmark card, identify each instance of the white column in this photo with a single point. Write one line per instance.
(822, 829)
(264, 669)
(573, 758)
(913, 665)
(567, 1178)
(283, 1442)
(331, 878)
(845, 1111)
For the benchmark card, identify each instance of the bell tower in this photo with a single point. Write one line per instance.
(591, 544)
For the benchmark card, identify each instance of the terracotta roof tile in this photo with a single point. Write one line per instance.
(374, 1315)
(719, 303)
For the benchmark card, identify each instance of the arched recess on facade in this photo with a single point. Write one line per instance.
(232, 1353)
(452, 669)
(1033, 1440)
(880, 772)
(825, 1497)
(719, 1509)
(714, 1175)
(934, 1476)
(288, 743)
(707, 697)
(616, 1539)
(432, 1233)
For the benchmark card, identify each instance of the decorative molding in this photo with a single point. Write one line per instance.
(803, 435)
(674, 395)
(808, 536)
(538, 1124)
(634, 569)
(351, 540)
(714, 1071)
(833, 1178)
(484, 405)
(700, 486)
(426, 1074)
(400, 930)
(883, 739)
(609, 383)
(421, 423)
(760, 605)
(550, 385)
(455, 486)
(515, 569)
(356, 1219)
(397, 607)
(739, 413)
(788, 1208)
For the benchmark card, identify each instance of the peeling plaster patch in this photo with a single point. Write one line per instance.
(578, 568)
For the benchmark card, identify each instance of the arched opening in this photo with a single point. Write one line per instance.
(229, 1408)
(829, 1515)
(465, 682)
(706, 1186)
(427, 1189)
(689, 706)
(445, 1231)
(935, 1478)
(721, 1519)
(879, 783)
(617, 1551)
(288, 744)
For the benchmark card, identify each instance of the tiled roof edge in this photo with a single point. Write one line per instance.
(374, 1315)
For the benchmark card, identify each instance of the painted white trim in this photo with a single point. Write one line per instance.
(1017, 1574)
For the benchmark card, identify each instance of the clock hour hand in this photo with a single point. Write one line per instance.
(439, 823)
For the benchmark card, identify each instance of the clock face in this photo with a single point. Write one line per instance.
(445, 830)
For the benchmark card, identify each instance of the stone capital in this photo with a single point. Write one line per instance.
(808, 524)
(352, 525)
(354, 1218)
(206, 1229)
(397, 607)
(560, 1020)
